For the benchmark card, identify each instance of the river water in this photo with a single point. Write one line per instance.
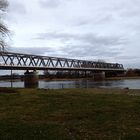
(132, 84)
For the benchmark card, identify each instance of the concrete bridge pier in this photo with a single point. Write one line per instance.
(99, 76)
(31, 79)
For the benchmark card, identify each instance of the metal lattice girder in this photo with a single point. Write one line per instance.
(10, 60)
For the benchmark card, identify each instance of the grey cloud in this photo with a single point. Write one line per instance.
(83, 38)
(33, 50)
(16, 7)
(82, 22)
(49, 3)
(82, 45)
(128, 58)
(69, 51)
(89, 51)
(53, 3)
(100, 19)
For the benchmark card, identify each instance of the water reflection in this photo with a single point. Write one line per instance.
(132, 84)
(34, 85)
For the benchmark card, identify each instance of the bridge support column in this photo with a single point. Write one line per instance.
(31, 79)
(99, 76)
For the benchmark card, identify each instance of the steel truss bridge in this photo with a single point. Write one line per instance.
(19, 61)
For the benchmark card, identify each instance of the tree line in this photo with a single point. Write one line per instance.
(3, 28)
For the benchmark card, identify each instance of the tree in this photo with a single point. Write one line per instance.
(3, 28)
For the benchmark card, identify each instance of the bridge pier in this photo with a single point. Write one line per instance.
(99, 76)
(31, 79)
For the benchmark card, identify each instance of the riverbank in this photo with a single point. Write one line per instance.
(68, 114)
(123, 78)
(89, 78)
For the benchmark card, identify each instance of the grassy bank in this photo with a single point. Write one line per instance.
(69, 114)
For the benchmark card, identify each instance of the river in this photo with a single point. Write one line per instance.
(132, 84)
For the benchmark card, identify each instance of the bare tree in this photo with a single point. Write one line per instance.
(3, 28)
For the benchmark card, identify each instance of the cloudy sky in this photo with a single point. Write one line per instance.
(83, 29)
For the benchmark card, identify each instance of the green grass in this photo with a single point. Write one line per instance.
(69, 114)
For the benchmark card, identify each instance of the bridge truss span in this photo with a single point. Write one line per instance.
(19, 61)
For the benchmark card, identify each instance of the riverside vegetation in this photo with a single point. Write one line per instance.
(69, 114)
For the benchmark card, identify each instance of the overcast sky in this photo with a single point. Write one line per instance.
(83, 29)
